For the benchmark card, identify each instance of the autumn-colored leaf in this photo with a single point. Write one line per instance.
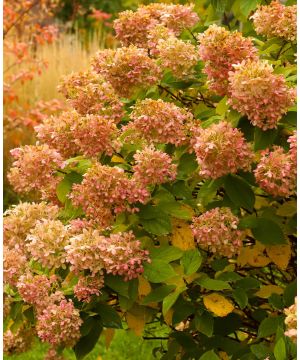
(182, 236)
(144, 287)
(218, 304)
(266, 291)
(280, 255)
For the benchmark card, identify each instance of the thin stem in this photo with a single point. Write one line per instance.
(20, 17)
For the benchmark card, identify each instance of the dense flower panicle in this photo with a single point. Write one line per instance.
(35, 289)
(88, 286)
(56, 131)
(177, 55)
(127, 69)
(34, 167)
(83, 252)
(59, 324)
(106, 191)
(153, 167)
(18, 342)
(14, 264)
(95, 135)
(46, 243)
(158, 121)
(276, 20)
(178, 17)
(122, 255)
(133, 27)
(216, 230)
(220, 49)
(276, 173)
(291, 321)
(21, 218)
(89, 93)
(292, 140)
(155, 35)
(220, 150)
(258, 93)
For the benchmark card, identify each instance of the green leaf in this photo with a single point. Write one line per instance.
(205, 323)
(222, 106)
(209, 355)
(260, 351)
(248, 6)
(175, 209)
(268, 232)
(208, 191)
(219, 5)
(166, 253)
(241, 297)
(158, 271)
(158, 294)
(117, 284)
(239, 192)
(110, 318)
(62, 189)
(87, 343)
(264, 139)
(187, 165)
(191, 261)
(290, 292)
(158, 226)
(268, 326)
(170, 299)
(211, 284)
(280, 350)
(229, 276)
(248, 283)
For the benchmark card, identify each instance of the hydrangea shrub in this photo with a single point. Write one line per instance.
(167, 193)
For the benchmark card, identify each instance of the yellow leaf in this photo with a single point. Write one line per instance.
(182, 236)
(223, 355)
(218, 304)
(117, 159)
(260, 202)
(137, 318)
(253, 257)
(109, 335)
(280, 255)
(144, 287)
(266, 291)
(287, 209)
(168, 317)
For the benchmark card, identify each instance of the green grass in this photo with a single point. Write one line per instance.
(124, 346)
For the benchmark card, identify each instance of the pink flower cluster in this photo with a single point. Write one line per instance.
(133, 27)
(291, 321)
(18, 342)
(153, 167)
(276, 172)
(178, 56)
(88, 286)
(122, 255)
(95, 135)
(56, 131)
(155, 35)
(34, 168)
(220, 150)
(35, 289)
(276, 20)
(119, 254)
(88, 93)
(127, 69)
(216, 231)
(14, 265)
(52, 354)
(21, 218)
(258, 93)
(158, 121)
(59, 324)
(106, 191)
(220, 49)
(292, 140)
(83, 252)
(46, 243)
